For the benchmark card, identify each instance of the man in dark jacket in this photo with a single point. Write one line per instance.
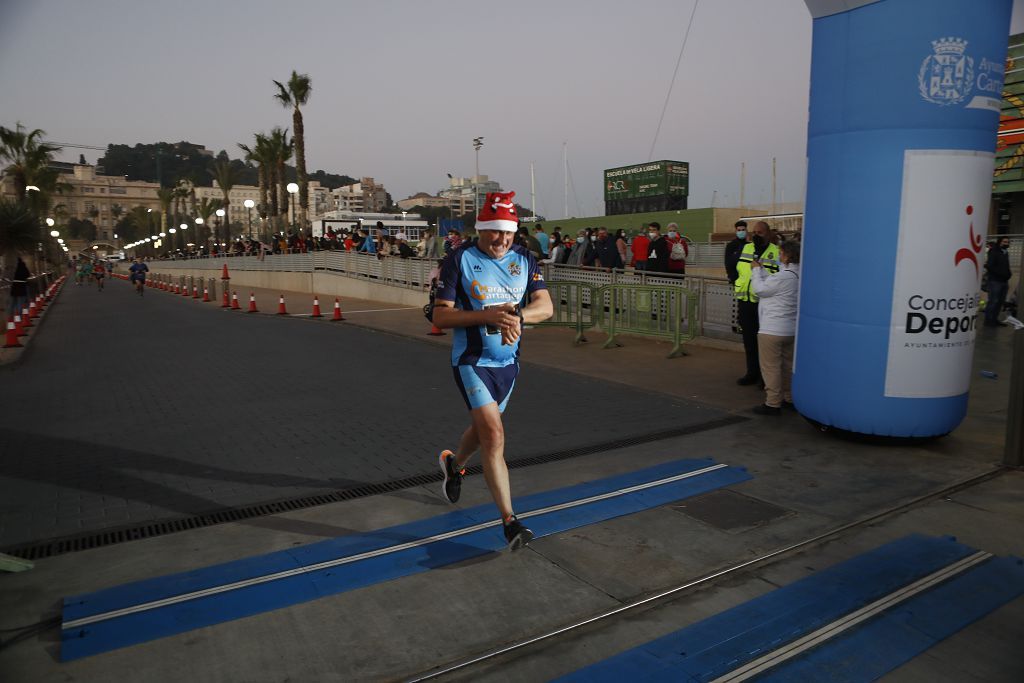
(657, 261)
(733, 250)
(607, 252)
(998, 268)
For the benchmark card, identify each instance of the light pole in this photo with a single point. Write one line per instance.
(477, 144)
(403, 225)
(220, 216)
(293, 188)
(248, 209)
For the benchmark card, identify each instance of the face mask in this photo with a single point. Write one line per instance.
(673, 235)
(581, 240)
(742, 234)
(593, 238)
(653, 235)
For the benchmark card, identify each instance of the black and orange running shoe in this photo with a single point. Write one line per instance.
(452, 486)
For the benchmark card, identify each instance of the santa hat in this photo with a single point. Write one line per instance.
(498, 213)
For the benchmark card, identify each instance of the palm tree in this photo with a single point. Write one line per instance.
(226, 176)
(260, 154)
(296, 94)
(204, 209)
(19, 231)
(166, 197)
(27, 155)
(115, 216)
(28, 164)
(281, 150)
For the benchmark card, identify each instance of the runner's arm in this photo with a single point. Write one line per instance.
(446, 315)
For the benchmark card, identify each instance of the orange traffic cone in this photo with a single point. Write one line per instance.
(252, 303)
(206, 294)
(195, 291)
(234, 301)
(184, 290)
(18, 326)
(280, 307)
(26, 320)
(337, 310)
(226, 303)
(32, 312)
(224, 273)
(435, 331)
(316, 308)
(11, 340)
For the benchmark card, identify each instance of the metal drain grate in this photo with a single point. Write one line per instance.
(97, 539)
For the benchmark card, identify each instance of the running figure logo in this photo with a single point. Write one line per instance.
(965, 254)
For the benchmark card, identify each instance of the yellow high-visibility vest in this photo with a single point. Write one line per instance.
(769, 261)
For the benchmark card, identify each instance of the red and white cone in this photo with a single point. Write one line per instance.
(206, 294)
(227, 301)
(280, 307)
(184, 290)
(195, 291)
(11, 340)
(337, 310)
(316, 308)
(26, 319)
(224, 273)
(18, 326)
(252, 303)
(234, 301)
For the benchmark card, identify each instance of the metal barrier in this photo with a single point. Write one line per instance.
(650, 311)
(716, 308)
(567, 300)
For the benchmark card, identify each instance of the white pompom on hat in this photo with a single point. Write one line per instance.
(498, 213)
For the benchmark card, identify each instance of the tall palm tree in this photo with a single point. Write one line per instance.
(204, 209)
(19, 231)
(26, 155)
(226, 176)
(27, 160)
(166, 197)
(116, 210)
(295, 95)
(281, 150)
(260, 154)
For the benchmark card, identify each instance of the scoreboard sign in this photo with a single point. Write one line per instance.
(654, 179)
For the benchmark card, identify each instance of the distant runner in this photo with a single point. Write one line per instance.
(99, 272)
(483, 287)
(138, 272)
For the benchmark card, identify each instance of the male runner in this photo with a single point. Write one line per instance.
(138, 275)
(489, 289)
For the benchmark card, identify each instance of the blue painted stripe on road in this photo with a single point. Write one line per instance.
(119, 631)
(908, 629)
(726, 641)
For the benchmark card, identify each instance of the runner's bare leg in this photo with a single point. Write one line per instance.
(489, 430)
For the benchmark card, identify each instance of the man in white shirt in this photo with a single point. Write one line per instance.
(776, 334)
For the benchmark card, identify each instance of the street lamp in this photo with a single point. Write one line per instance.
(293, 189)
(248, 209)
(477, 144)
(403, 225)
(49, 222)
(54, 233)
(220, 216)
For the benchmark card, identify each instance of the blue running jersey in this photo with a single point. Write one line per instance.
(474, 281)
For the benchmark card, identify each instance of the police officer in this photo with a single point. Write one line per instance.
(759, 247)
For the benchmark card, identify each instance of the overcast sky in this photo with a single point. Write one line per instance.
(401, 87)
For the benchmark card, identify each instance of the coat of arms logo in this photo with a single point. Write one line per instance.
(513, 269)
(946, 76)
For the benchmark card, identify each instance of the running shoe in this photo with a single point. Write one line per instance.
(452, 486)
(517, 535)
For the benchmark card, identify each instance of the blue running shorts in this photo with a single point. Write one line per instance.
(482, 385)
